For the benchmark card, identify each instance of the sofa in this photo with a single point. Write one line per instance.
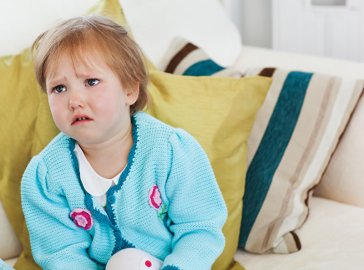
(300, 203)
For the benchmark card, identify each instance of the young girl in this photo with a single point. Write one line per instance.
(114, 178)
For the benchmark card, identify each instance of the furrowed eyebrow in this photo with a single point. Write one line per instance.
(56, 81)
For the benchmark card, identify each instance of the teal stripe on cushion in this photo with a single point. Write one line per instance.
(203, 68)
(271, 148)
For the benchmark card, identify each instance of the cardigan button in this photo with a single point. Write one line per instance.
(110, 199)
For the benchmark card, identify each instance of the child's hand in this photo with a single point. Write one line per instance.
(133, 259)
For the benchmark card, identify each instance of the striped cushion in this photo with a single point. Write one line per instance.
(294, 135)
(185, 58)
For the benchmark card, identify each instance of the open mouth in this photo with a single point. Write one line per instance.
(82, 119)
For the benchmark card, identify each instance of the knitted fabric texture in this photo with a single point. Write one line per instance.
(166, 202)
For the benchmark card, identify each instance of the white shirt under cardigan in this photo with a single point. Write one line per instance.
(94, 184)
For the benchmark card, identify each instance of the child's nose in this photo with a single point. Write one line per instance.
(76, 100)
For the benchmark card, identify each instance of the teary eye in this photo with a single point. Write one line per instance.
(92, 82)
(59, 89)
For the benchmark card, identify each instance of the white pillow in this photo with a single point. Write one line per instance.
(21, 21)
(155, 23)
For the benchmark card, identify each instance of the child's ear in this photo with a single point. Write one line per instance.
(132, 94)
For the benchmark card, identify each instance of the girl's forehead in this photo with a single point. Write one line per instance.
(79, 60)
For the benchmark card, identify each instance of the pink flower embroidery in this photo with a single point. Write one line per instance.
(82, 218)
(155, 198)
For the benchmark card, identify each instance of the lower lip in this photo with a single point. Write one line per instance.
(80, 122)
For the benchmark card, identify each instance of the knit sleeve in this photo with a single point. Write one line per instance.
(196, 207)
(55, 242)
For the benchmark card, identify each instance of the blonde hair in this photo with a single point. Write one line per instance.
(102, 36)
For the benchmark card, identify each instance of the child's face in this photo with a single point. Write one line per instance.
(87, 101)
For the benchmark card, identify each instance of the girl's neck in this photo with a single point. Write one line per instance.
(110, 158)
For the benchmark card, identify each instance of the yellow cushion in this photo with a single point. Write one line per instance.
(219, 113)
(22, 101)
(26, 127)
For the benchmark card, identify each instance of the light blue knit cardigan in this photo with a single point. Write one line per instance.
(167, 203)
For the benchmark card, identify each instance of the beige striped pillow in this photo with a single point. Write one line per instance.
(294, 135)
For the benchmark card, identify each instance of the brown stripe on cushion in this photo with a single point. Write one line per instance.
(296, 240)
(188, 48)
(267, 72)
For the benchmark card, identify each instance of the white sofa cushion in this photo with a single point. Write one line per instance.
(332, 239)
(9, 243)
(252, 57)
(11, 262)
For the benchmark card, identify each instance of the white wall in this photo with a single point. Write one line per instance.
(254, 19)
